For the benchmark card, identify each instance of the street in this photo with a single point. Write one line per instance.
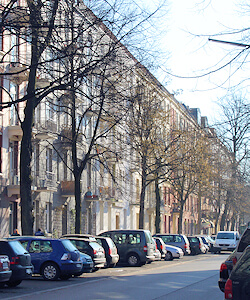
(192, 277)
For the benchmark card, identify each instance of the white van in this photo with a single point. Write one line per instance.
(226, 240)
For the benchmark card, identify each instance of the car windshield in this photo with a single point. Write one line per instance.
(17, 247)
(94, 245)
(68, 245)
(225, 236)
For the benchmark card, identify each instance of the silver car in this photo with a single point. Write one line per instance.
(173, 252)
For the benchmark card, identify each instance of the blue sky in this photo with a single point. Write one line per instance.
(192, 55)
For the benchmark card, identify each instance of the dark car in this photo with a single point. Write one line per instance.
(196, 245)
(238, 284)
(5, 271)
(135, 247)
(20, 261)
(227, 266)
(110, 249)
(53, 258)
(178, 240)
(92, 248)
(87, 264)
(161, 246)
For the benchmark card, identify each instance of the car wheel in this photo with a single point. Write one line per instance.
(169, 256)
(13, 283)
(133, 260)
(50, 271)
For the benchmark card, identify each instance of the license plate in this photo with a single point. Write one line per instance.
(78, 265)
(28, 271)
(5, 266)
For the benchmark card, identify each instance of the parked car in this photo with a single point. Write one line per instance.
(227, 266)
(157, 253)
(207, 240)
(5, 271)
(173, 252)
(226, 241)
(92, 248)
(112, 257)
(177, 240)
(80, 235)
(238, 284)
(87, 264)
(135, 247)
(52, 258)
(161, 246)
(196, 245)
(20, 261)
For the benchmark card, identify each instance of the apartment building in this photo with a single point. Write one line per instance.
(96, 104)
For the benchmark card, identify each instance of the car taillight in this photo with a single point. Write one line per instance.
(1, 266)
(234, 260)
(15, 260)
(94, 251)
(66, 256)
(228, 290)
(145, 248)
(110, 251)
(223, 267)
(161, 247)
(185, 246)
(199, 245)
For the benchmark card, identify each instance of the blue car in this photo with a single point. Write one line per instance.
(53, 258)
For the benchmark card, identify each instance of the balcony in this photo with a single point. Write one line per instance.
(14, 186)
(68, 188)
(45, 183)
(15, 132)
(18, 73)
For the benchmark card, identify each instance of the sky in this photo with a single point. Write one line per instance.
(188, 25)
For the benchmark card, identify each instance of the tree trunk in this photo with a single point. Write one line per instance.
(142, 196)
(27, 217)
(180, 219)
(157, 207)
(77, 204)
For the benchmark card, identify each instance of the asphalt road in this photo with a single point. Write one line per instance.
(192, 277)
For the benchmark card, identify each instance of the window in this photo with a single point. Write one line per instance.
(49, 163)
(40, 247)
(134, 238)
(119, 238)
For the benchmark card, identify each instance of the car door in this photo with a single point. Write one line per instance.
(120, 240)
(40, 251)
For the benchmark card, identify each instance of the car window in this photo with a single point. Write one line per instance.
(17, 247)
(40, 247)
(24, 243)
(68, 245)
(177, 239)
(244, 241)
(167, 238)
(149, 238)
(243, 266)
(99, 241)
(94, 245)
(120, 238)
(134, 238)
(80, 245)
(225, 236)
(193, 239)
